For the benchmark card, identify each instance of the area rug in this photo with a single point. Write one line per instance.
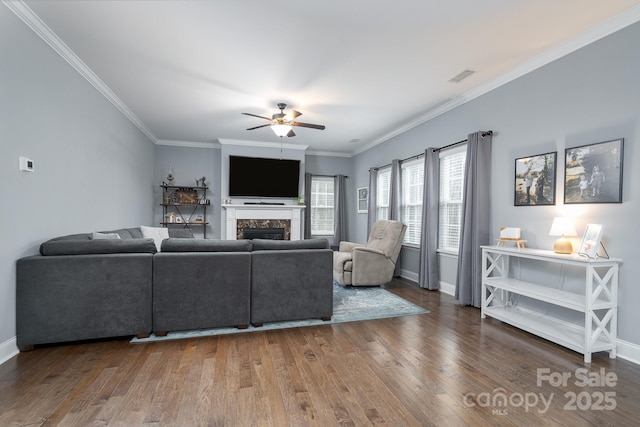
(349, 305)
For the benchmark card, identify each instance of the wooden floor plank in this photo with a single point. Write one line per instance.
(439, 368)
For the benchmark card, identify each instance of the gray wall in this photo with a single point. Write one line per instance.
(93, 168)
(188, 164)
(589, 96)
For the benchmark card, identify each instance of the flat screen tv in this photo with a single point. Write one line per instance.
(261, 177)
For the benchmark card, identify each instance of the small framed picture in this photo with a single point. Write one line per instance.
(535, 180)
(593, 173)
(363, 200)
(591, 240)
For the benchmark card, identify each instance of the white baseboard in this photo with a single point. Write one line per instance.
(628, 351)
(448, 288)
(8, 349)
(409, 275)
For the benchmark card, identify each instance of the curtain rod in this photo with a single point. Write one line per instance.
(328, 176)
(417, 156)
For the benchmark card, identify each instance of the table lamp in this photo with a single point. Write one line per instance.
(564, 228)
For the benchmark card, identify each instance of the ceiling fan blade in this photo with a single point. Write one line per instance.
(291, 133)
(292, 115)
(257, 127)
(254, 115)
(307, 125)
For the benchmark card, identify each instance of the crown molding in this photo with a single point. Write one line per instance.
(33, 21)
(608, 27)
(190, 144)
(265, 144)
(329, 153)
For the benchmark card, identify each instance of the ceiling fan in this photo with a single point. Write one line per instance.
(282, 123)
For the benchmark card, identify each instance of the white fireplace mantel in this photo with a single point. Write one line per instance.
(259, 211)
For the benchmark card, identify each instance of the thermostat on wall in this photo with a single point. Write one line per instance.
(26, 164)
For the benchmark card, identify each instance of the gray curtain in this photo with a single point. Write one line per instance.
(475, 218)
(428, 273)
(395, 191)
(373, 194)
(395, 202)
(307, 210)
(340, 210)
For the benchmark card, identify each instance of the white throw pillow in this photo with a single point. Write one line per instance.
(158, 234)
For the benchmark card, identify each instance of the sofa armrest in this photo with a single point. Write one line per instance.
(363, 249)
(371, 267)
(349, 246)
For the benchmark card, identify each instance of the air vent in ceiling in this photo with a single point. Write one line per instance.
(461, 76)
(354, 141)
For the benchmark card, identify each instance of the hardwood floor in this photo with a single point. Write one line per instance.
(443, 368)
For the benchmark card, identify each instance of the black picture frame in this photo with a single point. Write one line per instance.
(535, 180)
(593, 173)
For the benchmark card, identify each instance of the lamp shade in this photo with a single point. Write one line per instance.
(281, 130)
(562, 227)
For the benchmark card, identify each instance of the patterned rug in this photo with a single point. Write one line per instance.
(349, 305)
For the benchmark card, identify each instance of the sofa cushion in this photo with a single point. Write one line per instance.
(206, 245)
(283, 245)
(180, 233)
(87, 246)
(104, 236)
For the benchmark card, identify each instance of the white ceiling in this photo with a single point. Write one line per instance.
(367, 69)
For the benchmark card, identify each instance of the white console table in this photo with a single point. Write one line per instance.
(599, 302)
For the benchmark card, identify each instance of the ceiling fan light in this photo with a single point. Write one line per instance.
(281, 130)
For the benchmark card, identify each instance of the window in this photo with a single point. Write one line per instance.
(322, 204)
(383, 193)
(452, 164)
(411, 207)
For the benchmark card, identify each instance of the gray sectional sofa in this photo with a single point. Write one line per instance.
(80, 288)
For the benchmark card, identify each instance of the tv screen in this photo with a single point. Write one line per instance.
(260, 177)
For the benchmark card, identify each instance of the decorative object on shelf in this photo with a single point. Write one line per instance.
(535, 180)
(564, 228)
(170, 217)
(170, 177)
(301, 200)
(363, 200)
(167, 197)
(591, 241)
(199, 219)
(593, 173)
(201, 182)
(186, 196)
(511, 234)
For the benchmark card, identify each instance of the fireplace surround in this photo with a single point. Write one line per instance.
(240, 216)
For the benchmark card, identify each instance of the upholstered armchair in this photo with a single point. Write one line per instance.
(371, 264)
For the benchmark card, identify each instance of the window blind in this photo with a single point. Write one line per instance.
(411, 205)
(322, 206)
(452, 165)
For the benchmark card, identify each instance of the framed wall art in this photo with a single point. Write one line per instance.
(363, 200)
(593, 173)
(535, 180)
(591, 240)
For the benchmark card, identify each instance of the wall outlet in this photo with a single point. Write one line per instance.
(26, 164)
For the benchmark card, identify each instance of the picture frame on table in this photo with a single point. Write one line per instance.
(535, 180)
(593, 173)
(591, 240)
